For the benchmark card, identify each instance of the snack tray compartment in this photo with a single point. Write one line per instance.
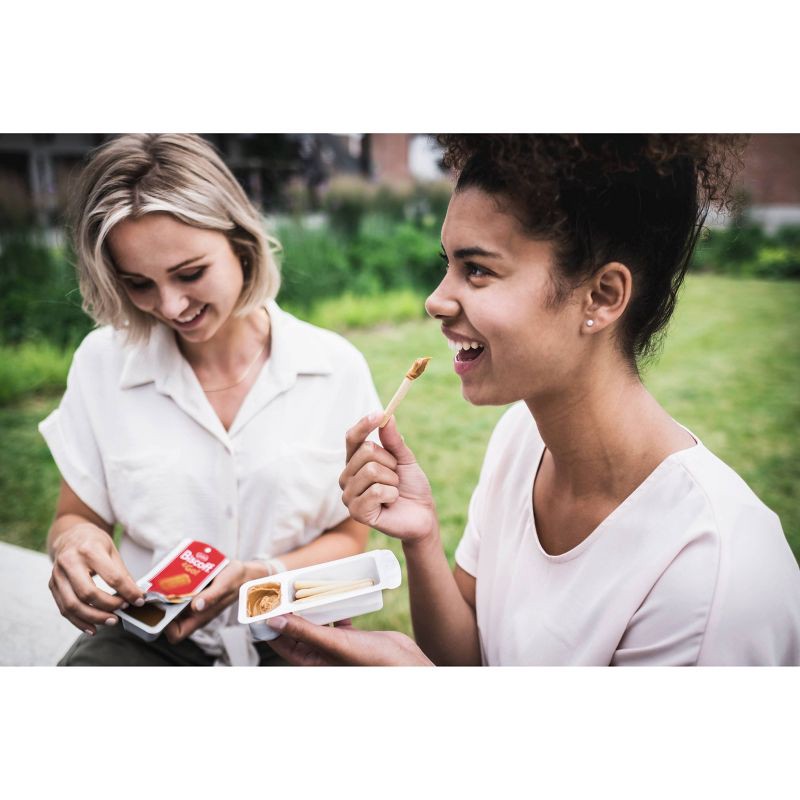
(381, 566)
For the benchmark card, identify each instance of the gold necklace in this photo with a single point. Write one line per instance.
(245, 373)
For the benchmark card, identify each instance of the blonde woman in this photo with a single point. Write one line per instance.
(198, 408)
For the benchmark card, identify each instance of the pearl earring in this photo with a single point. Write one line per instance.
(589, 322)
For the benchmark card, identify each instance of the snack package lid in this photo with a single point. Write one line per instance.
(184, 574)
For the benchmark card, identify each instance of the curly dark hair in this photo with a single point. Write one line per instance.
(640, 199)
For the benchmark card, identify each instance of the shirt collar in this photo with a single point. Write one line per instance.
(295, 350)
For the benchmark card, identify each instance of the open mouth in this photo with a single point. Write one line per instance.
(192, 319)
(469, 354)
(466, 353)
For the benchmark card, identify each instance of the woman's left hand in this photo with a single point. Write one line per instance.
(213, 600)
(305, 644)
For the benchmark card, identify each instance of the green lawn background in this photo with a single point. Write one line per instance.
(728, 372)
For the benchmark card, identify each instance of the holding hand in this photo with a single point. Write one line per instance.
(212, 601)
(307, 645)
(78, 554)
(384, 487)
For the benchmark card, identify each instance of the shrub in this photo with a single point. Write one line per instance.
(383, 256)
(314, 264)
(349, 201)
(32, 367)
(350, 311)
(39, 296)
(405, 256)
(748, 251)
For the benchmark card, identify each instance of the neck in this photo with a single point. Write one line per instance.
(605, 433)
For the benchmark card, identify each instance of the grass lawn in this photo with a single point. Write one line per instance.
(728, 372)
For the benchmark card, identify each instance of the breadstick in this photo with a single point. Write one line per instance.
(417, 368)
(315, 584)
(311, 594)
(342, 587)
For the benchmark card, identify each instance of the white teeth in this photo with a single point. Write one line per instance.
(457, 346)
(189, 319)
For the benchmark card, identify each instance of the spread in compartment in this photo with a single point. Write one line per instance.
(148, 614)
(263, 598)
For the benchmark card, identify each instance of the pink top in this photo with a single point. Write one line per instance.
(690, 569)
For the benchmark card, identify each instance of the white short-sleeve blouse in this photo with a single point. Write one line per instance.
(137, 440)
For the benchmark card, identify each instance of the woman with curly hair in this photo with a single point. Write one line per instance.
(601, 532)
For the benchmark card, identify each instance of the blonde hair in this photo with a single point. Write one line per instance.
(178, 174)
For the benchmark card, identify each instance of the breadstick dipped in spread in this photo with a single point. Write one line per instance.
(417, 368)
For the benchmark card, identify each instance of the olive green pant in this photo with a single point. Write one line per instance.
(112, 646)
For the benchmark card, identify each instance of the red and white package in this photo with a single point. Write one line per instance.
(193, 566)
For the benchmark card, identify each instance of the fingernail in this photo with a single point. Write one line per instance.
(199, 604)
(139, 602)
(375, 417)
(111, 621)
(124, 606)
(277, 623)
(88, 632)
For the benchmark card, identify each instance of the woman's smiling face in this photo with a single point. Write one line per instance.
(495, 293)
(188, 278)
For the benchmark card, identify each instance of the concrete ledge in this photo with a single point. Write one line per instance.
(32, 632)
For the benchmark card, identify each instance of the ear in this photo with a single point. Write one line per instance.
(607, 296)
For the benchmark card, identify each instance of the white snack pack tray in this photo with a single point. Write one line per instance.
(380, 565)
(151, 632)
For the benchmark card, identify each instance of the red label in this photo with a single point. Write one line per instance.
(184, 574)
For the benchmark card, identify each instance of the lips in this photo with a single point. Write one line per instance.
(191, 320)
(467, 351)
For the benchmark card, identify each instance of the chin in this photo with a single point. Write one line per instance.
(482, 394)
(476, 397)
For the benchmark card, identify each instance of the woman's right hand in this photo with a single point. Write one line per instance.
(384, 487)
(79, 553)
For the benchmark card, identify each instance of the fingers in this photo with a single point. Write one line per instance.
(368, 506)
(175, 632)
(207, 605)
(299, 654)
(330, 643)
(198, 614)
(79, 613)
(367, 452)
(78, 576)
(359, 432)
(393, 442)
(370, 474)
(90, 556)
(116, 575)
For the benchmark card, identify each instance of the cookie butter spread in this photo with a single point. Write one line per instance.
(148, 614)
(263, 598)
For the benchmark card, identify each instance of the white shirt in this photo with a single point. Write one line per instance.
(137, 440)
(691, 568)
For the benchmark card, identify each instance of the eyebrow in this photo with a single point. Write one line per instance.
(469, 252)
(171, 269)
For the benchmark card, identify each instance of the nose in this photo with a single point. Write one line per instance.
(441, 303)
(172, 302)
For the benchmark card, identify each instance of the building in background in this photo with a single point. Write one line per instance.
(770, 179)
(37, 170)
